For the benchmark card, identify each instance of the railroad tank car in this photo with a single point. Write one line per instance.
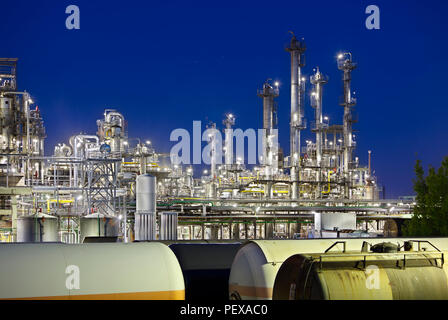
(206, 268)
(94, 271)
(257, 262)
(401, 275)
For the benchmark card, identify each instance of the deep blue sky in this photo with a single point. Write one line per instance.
(164, 64)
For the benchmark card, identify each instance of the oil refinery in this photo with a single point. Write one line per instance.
(247, 228)
(109, 184)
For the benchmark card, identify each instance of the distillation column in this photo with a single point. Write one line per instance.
(318, 80)
(270, 143)
(215, 154)
(229, 121)
(346, 65)
(296, 49)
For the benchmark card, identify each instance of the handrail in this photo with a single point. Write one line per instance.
(389, 256)
(337, 242)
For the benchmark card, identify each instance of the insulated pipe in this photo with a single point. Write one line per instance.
(74, 144)
(111, 114)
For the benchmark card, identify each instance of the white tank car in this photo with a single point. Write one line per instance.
(143, 271)
(257, 262)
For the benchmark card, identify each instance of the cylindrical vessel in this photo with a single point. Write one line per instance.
(145, 271)
(145, 215)
(168, 226)
(39, 227)
(99, 225)
(146, 193)
(363, 276)
(257, 262)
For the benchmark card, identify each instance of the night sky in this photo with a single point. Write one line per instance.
(164, 64)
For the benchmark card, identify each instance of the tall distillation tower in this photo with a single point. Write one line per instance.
(270, 139)
(347, 66)
(296, 49)
(318, 80)
(229, 121)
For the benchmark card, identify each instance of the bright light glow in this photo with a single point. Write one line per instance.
(125, 143)
(340, 56)
(79, 198)
(276, 84)
(230, 115)
(120, 217)
(326, 118)
(313, 93)
(148, 142)
(205, 171)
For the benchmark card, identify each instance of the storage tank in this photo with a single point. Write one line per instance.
(39, 227)
(145, 215)
(99, 225)
(257, 262)
(363, 276)
(121, 271)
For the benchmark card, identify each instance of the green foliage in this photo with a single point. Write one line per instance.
(431, 211)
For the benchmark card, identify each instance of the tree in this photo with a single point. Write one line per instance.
(430, 217)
